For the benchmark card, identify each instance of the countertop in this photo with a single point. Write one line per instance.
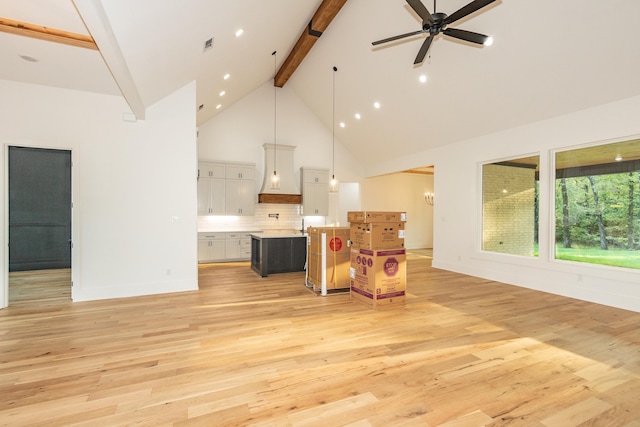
(278, 234)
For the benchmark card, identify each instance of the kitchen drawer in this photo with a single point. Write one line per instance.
(212, 235)
(239, 235)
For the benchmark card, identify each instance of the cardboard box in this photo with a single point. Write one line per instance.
(337, 257)
(378, 277)
(337, 239)
(376, 216)
(381, 235)
(337, 271)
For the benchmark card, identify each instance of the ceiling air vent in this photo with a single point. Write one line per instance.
(208, 44)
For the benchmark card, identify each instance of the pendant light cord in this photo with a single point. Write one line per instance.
(275, 106)
(333, 127)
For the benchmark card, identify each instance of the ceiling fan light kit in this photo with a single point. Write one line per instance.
(437, 22)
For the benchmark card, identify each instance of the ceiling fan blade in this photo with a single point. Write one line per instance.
(466, 35)
(424, 49)
(401, 36)
(421, 10)
(466, 10)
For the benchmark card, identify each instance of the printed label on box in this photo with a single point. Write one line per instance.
(391, 267)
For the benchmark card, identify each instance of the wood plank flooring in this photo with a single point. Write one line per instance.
(39, 288)
(250, 351)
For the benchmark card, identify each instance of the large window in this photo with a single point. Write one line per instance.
(597, 204)
(510, 206)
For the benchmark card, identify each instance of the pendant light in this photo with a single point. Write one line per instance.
(275, 179)
(333, 184)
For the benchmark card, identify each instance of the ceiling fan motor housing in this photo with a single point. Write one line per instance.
(437, 25)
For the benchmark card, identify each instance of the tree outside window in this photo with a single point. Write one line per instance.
(597, 204)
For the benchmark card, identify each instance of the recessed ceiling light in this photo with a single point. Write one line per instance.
(226, 76)
(358, 116)
(423, 78)
(618, 158)
(29, 58)
(219, 106)
(239, 32)
(376, 104)
(222, 93)
(489, 41)
(342, 125)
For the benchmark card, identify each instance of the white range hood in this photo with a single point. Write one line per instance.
(288, 193)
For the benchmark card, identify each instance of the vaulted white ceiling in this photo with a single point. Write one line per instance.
(550, 57)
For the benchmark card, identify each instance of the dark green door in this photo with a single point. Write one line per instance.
(39, 209)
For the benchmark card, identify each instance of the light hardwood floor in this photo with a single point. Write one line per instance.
(246, 351)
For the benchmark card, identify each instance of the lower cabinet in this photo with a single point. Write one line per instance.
(225, 246)
(211, 247)
(278, 255)
(238, 246)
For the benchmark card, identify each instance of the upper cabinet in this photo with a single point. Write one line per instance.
(244, 171)
(315, 191)
(226, 188)
(211, 188)
(211, 170)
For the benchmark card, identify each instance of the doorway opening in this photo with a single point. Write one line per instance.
(39, 214)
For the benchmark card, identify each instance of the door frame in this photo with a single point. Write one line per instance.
(4, 218)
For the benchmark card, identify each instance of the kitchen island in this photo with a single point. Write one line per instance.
(280, 251)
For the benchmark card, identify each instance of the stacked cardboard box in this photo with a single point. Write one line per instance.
(374, 216)
(378, 277)
(378, 258)
(377, 230)
(336, 255)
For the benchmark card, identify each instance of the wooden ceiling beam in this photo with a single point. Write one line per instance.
(46, 33)
(327, 10)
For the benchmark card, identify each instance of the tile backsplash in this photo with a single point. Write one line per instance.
(289, 218)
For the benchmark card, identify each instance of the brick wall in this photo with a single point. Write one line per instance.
(508, 209)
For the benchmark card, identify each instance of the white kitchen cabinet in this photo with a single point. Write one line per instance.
(226, 188)
(238, 246)
(224, 246)
(245, 171)
(211, 170)
(211, 247)
(315, 191)
(211, 188)
(240, 190)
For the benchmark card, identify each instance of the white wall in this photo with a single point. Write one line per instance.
(403, 192)
(238, 133)
(457, 212)
(129, 180)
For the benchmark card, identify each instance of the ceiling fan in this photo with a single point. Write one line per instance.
(436, 23)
